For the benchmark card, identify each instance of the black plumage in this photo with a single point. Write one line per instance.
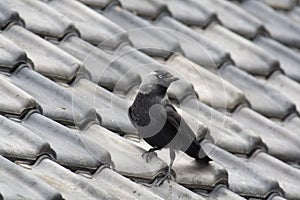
(157, 121)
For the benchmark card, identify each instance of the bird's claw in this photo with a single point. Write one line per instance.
(167, 176)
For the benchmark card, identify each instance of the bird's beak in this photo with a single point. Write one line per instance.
(170, 78)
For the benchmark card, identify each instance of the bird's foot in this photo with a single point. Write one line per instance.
(148, 155)
(169, 175)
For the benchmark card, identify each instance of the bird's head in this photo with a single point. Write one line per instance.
(157, 80)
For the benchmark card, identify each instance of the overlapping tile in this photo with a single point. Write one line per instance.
(59, 66)
(281, 4)
(244, 178)
(194, 46)
(14, 101)
(234, 17)
(286, 86)
(11, 55)
(92, 26)
(190, 12)
(106, 70)
(79, 152)
(40, 18)
(100, 4)
(56, 101)
(16, 182)
(222, 193)
(8, 16)
(276, 23)
(281, 143)
(210, 88)
(150, 9)
(262, 98)
(111, 108)
(295, 13)
(289, 59)
(143, 35)
(244, 53)
(18, 142)
(287, 176)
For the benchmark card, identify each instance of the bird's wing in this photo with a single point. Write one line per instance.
(186, 133)
(130, 117)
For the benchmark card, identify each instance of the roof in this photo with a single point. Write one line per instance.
(70, 69)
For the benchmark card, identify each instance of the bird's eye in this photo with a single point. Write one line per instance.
(160, 76)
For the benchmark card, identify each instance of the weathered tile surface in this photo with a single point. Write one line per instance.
(92, 26)
(210, 88)
(11, 55)
(17, 182)
(40, 18)
(281, 4)
(281, 142)
(276, 23)
(194, 46)
(143, 35)
(289, 59)
(244, 53)
(14, 101)
(56, 102)
(244, 179)
(262, 98)
(7, 16)
(59, 66)
(79, 152)
(18, 142)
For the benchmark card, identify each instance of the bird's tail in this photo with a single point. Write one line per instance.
(196, 152)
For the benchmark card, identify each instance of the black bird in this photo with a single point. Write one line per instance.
(157, 121)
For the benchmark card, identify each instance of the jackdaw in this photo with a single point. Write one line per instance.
(158, 122)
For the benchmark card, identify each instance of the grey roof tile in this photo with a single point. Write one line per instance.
(210, 88)
(172, 190)
(110, 180)
(295, 13)
(243, 52)
(222, 193)
(289, 59)
(145, 8)
(234, 17)
(286, 86)
(191, 12)
(17, 182)
(40, 18)
(70, 185)
(292, 123)
(262, 98)
(194, 46)
(277, 198)
(14, 101)
(281, 4)
(281, 142)
(223, 130)
(11, 55)
(142, 34)
(18, 142)
(277, 24)
(287, 176)
(106, 70)
(56, 101)
(59, 66)
(7, 16)
(93, 26)
(112, 109)
(244, 179)
(127, 156)
(97, 3)
(79, 152)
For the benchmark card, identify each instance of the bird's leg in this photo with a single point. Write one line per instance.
(147, 154)
(168, 176)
